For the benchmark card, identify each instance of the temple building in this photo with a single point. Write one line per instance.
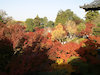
(95, 5)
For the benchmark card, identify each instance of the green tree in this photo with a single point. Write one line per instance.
(91, 15)
(29, 24)
(43, 22)
(66, 15)
(60, 17)
(81, 27)
(50, 24)
(96, 30)
(37, 21)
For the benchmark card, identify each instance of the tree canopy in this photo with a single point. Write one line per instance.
(91, 15)
(58, 33)
(66, 15)
(36, 21)
(29, 24)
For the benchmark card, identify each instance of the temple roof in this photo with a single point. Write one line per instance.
(95, 5)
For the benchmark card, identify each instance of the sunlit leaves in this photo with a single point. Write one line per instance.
(71, 27)
(58, 33)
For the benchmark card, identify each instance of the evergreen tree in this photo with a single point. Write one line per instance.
(37, 21)
(29, 24)
(64, 16)
(45, 21)
(91, 15)
(50, 24)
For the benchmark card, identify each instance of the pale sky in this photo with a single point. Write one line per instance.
(23, 9)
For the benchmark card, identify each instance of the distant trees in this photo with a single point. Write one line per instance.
(66, 15)
(37, 21)
(29, 24)
(45, 21)
(50, 24)
(42, 53)
(4, 17)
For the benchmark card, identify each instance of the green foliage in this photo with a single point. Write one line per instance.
(98, 25)
(72, 58)
(96, 21)
(66, 15)
(1, 19)
(81, 27)
(78, 40)
(35, 53)
(44, 21)
(37, 21)
(96, 31)
(50, 24)
(30, 24)
(91, 15)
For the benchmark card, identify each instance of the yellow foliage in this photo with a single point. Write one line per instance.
(59, 61)
(12, 22)
(83, 45)
(70, 22)
(58, 33)
(72, 58)
(71, 27)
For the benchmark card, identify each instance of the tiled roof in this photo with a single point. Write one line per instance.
(95, 5)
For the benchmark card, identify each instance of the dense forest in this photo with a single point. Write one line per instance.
(67, 46)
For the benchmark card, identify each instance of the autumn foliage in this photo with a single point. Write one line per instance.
(88, 29)
(31, 53)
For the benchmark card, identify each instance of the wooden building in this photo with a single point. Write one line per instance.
(95, 5)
